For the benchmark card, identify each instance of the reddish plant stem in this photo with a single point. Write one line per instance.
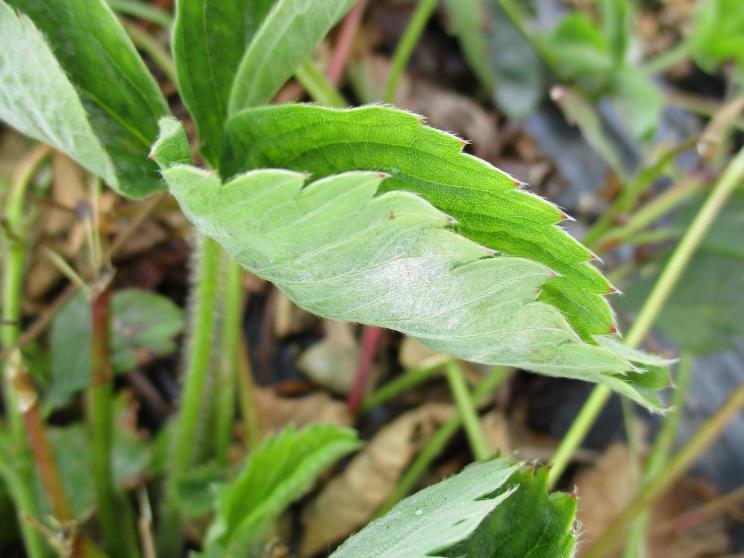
(28, 405)
(371, 337)
(349, 27)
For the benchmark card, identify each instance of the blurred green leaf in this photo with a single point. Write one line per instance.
(501, 57)
(141, 321)
(718, 34)
(122, 99)
(579, 53)
(197, 490)
(637, 100)
(494, 509)
(704, 312)
(281, 470)
(131, 455)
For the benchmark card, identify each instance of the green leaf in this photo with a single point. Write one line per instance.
(490, 509)
(196, 490)
(703, 313)
(285, 39)
(209, 39)
(579, 52)
(469, 25)
(281, 470)
(142, 321)
(638, 102)
(130, 453)
(339, 250)
(121, 97)
(718, 34)
(489, 206)
(37, 99)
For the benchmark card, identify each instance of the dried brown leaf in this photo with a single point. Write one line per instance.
(350, 499)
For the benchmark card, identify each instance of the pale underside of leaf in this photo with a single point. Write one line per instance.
(339, 250)
(37, 99)
(490, 207)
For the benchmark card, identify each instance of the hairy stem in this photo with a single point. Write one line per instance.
(407, 43)
(198, 355)
(13, 272)
(729, 180)
(232, 313)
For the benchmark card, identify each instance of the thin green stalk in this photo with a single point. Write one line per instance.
(652, 211)
(318, 86)
(436, 444)
(12, 294)
(198, 356)
(466, 407)
(668, 58)
(142, 10)
(407, 43)
(402, 383)
(145, 42)
(659, 455)
(247, 398)
(672, 472)
(114, 517)
(625, 201)
(728, 181)
(232, 314)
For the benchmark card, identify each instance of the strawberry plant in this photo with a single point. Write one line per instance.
(358, 214)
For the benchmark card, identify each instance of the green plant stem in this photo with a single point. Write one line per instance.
(436, 444)
(668, 58)
(630, 194)
(402, 383)
(142, 10)
(650, 212)
(14, 262)
(729, 180)
(247, 398)
(232, 313)
(318, 86)
(114, 515)
(672, 472)
(198, 355)
(659, 455)
(159, 55)
(407, 43)
(466, 407)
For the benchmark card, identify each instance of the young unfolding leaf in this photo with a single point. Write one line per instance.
(240, 52)
(277, 473)
(209, 39)
(343, 252)
(490, 207)
(286, 37)
(121, 97)
(37, 99)
(491, 509)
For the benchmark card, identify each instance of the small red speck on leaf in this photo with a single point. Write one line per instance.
(613, 329)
